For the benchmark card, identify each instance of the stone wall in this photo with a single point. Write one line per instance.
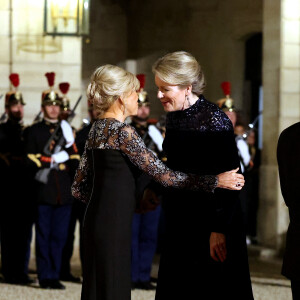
(107, 40)
(213, 31)
(24, 50)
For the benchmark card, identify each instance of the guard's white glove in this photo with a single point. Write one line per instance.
(60, 157)
(68, 133)
(156, 136)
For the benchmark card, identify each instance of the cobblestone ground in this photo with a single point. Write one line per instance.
(268, 284)
(263, 289)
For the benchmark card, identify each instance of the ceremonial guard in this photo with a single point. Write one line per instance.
(65, 101)
(226, 104)
(145, 225)
(52, 154)
(16, 211)
(78, 209)
(65, 272)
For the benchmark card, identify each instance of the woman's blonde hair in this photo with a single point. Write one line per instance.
(182, 69)
(109, 83)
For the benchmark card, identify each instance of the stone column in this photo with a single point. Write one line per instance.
(281, 88)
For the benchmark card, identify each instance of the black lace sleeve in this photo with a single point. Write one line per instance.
(112, 134)
(81, 186)
(133, 146)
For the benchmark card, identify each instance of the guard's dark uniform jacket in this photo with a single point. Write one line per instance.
(288, 156)
(77, 213)
(11, 153)
(17, 205)
(143, 131)
(54, 200)
(57, 191)
(81, 137)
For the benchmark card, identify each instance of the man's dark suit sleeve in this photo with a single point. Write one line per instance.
(288, 156)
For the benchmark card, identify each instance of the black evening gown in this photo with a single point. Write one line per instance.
(106, 180)
(200, 140)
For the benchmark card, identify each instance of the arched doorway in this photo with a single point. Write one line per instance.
(252, 77)
(252, 109)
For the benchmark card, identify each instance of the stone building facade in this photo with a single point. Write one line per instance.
(250, 43)
(218, 34)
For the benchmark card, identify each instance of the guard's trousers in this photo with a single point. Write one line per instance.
(144, 239)
(51, 235)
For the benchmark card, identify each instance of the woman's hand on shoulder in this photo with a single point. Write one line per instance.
(231, 180)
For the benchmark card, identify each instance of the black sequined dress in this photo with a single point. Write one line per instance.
(200, 140)
(105, 179)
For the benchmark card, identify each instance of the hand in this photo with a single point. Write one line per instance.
(52, 145)
(68, 133)
(148, 202)
(251, 164)
(231, 180)
(217, 243)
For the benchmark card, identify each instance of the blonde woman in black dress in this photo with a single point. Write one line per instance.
(205, 243)
(114, 155)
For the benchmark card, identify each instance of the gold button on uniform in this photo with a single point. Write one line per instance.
(62, 167)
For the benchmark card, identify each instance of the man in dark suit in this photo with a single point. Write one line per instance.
(288, 156)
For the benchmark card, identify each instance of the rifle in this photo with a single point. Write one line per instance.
(57, 135)
(37, 117)
(251, 125)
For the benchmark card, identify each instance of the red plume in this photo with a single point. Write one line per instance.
(226, 87)
(64, 87)
(14, 79)
(50, 77)
(141, 78)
